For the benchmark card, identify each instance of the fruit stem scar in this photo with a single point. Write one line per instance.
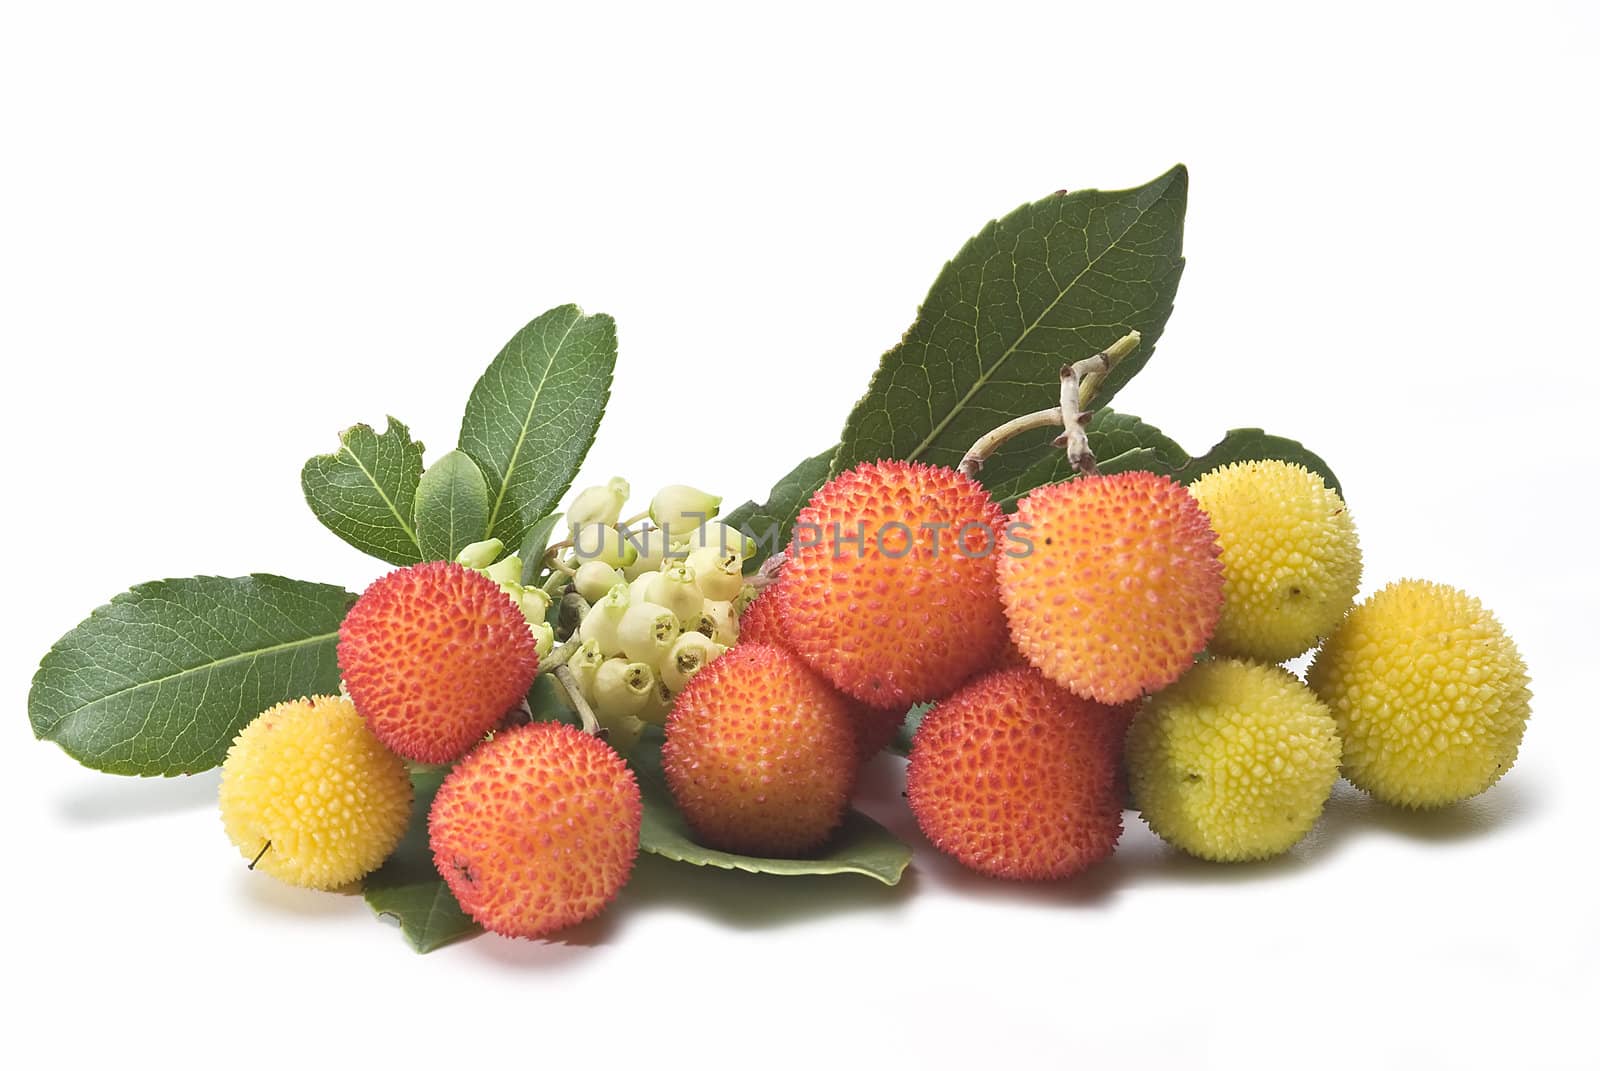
(770, 572)
(569, 681)
(259, 854)
(1079, 383)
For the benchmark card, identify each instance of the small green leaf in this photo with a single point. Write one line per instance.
(452, 507)
(1122, 443)
(534, 544)
(366, 493)
(533, 415)
(901, 745)
(157, 682)
(1055, 281)
(860, 846)
(771, 524)
(408, 888)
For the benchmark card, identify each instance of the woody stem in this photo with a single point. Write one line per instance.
(1079, 384)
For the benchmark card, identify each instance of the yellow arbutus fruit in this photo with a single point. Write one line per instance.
(1290, 560)
(1431, 694)
(310, 796)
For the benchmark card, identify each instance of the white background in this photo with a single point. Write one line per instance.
(229, 232)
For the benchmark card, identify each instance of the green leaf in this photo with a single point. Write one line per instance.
(901, 745)
(366, 493)
(772, 523)
(1253, 444)
(1053, 282)
(860, 846)
(452, 507)
(1122, 443)
(533, 415)
(408, 888)
(534, 544)
(158, 681)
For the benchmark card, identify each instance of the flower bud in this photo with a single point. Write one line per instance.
(602, 543)
(544, 637)
(583, 663)
(716, 572)
(535, 603)
(639, 586)
(506, 572)
(594, 579)
(650, 544)
(746, 596)
(658, 705)
(679, 510)
(718, 622)
(725, 623)
(622, 730)
(674, 588)
(598, 505)
(690, 653)
(647, 631)
(481, 554)
(722, 537)
(600, 624)
(622, 687)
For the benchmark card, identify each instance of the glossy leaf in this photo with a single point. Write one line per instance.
(533, 415)
(1122, 442)
(408, 889)
(1053, 282)
(158, 681)
(365, 493)
(771, 524)
(452, 507)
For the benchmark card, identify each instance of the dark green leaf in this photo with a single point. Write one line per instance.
(1053, 282)
(533, 415)
(158, 681)
(1253, 444)
(547, 701)
(1122, 443)
(366, 493)
(860, 846)
(772, 523)
(1119, 441)
(408, 888)
(452, 507)
(534, 544)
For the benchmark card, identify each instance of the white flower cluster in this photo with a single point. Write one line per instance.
(664, 599)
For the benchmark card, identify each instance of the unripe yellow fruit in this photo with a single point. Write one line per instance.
(1431, 694)
(1291, 563)
(307, 781)
(1233, 762)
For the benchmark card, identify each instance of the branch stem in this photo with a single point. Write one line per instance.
(1079, 384)
(569, 681)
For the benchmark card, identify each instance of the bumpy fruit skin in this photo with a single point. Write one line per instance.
(1291, 562)
(910, 611)
(1017, 778)
(760, 754)
(536, 830)
(1234, 762)
(762, 623)
(1431, 695)
(1122, 586)
(310, 777)
(434, 655)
